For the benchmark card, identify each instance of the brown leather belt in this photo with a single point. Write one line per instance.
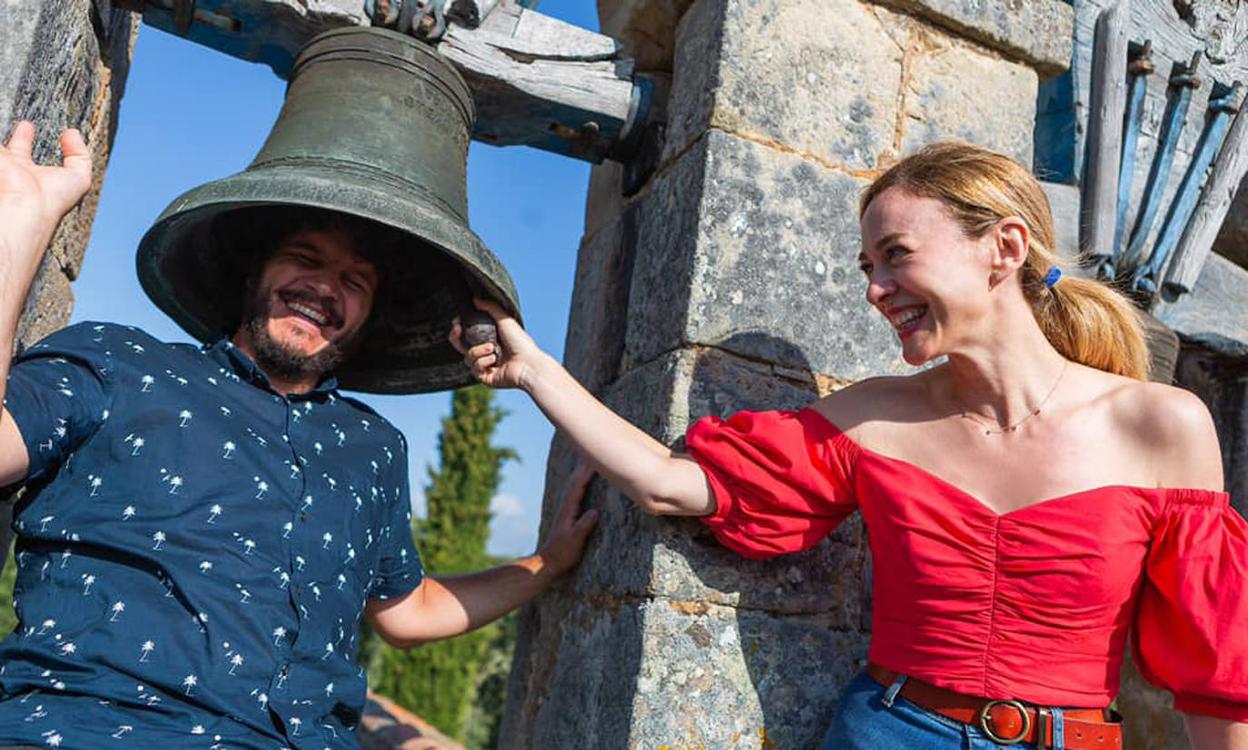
(1009, 722)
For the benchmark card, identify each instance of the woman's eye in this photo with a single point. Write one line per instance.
(893, 253)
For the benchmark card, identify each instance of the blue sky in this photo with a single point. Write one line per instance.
(190, 115)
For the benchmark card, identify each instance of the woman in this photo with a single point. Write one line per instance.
(1033, 497)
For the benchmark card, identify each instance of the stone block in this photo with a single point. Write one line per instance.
(817, 77)
(1037, 32)
(594, 344)
(60, 70)
(48, 305)
(636, 555)
(754, 250)
(955, 90)
(620, 673)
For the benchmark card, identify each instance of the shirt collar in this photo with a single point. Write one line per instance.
(225, 353)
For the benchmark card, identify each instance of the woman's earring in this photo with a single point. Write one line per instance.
(993, 278)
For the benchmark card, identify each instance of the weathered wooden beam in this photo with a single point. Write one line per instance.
(540, 82)
(1215, 201)
(536, 81)
(1098, 210)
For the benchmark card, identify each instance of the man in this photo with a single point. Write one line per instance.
(203, 529)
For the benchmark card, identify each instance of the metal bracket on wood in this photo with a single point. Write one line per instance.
(1183, 81)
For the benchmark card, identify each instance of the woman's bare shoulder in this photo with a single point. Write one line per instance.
(1173, 427)
(878, 399)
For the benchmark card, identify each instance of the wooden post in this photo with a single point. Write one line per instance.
(1098, 209)
(1202, 229)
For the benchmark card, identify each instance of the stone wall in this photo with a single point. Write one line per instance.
(729, 282)
(63, 63)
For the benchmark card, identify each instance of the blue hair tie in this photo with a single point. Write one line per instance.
(1052, 276)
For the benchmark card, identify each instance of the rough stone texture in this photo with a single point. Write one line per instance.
(956, 91)
(1035, 32)
(646, 28)
(62, 65)
(639, 556)
(753, 249)
(619, 671)
(846, 84)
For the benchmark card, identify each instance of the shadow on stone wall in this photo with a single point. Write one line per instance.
(801, 621)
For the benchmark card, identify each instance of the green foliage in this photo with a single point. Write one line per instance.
(438, 681)
(8, 620)
(485, 717)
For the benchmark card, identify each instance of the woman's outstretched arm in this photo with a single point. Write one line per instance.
(659, 481)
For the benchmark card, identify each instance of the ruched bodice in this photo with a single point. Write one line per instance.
(1035, 604)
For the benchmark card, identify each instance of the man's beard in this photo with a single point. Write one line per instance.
(283, 360)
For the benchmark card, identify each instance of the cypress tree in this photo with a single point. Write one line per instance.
(438, 681)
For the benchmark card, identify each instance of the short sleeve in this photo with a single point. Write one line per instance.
(58, 393)
(398, 567)
(782, 480)
(1191, 636)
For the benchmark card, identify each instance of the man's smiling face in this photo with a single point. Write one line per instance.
(310, 302)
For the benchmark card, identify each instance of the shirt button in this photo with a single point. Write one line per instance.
(303, 516)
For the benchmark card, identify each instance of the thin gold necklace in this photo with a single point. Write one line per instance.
(999, 430)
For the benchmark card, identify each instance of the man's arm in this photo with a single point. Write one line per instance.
(33, 199)
(446, 607)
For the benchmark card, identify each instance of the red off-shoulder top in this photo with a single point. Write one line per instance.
(1034, 604)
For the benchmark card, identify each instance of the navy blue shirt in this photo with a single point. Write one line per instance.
(194, 550)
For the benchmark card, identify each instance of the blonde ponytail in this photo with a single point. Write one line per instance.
(1087, 321)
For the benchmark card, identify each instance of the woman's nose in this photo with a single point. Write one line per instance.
(879, 287)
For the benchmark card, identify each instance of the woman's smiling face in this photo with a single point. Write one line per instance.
(924, 275)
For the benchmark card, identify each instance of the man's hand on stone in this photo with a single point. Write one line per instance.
(34, 198)
(566, 542)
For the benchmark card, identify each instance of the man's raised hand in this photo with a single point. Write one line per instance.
(34, 198)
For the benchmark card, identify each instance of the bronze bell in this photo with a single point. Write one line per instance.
(375, 125)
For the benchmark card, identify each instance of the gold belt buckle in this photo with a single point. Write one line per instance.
(986, 728)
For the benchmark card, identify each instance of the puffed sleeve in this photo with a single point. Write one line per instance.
(1192, 627)
(782, 479)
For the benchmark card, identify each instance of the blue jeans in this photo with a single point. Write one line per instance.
(868, 718)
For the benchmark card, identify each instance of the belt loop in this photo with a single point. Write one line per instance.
(1059, 730)
(891, 694)
(1043, 718)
